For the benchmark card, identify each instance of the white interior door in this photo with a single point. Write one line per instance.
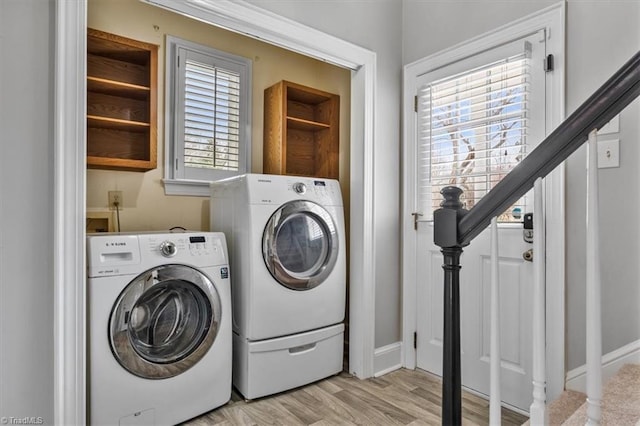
(515, 312)
(471, 139)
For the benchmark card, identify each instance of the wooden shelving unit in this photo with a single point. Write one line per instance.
(301, 131)
(122, 79)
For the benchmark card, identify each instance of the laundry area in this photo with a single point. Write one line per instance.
(216, 231)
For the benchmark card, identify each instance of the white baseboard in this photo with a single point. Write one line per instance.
(611, 363)
(387, 359)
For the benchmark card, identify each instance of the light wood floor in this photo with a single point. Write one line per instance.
(403, 397)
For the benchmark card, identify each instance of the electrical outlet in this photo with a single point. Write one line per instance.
(115, 197)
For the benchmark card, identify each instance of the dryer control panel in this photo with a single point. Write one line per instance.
(322, 191)
(276, 190)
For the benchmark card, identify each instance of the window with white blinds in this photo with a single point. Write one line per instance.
(472, 130)
(208, 116)
(211, 117)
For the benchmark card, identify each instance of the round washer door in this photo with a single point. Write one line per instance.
(300, 245)
(164, 321)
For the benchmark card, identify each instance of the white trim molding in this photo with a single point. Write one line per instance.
(611, 363)
(253, 21)
(69, 213)
(555, 16)
(194, 188)
(362, 252)
(387, 359)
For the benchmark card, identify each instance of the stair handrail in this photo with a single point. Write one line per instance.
(605, 103)
(455, 227)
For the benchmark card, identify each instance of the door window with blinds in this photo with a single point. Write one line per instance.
(475, 120)
(209, 112)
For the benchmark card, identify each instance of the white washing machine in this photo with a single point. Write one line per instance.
(287, 255)
(160, 345)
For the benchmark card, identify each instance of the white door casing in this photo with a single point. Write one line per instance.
(551, 21)
(70, 177)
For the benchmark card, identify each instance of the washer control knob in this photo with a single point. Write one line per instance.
(299, 188)
(168, 249)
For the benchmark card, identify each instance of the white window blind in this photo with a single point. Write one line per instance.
(208, 117)
(472, 130)
(211, 117)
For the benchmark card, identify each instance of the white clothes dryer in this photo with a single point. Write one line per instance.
(287, 244)
(160, 346)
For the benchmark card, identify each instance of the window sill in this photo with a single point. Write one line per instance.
(193, 188)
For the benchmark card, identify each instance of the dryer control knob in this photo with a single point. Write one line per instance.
(299, 188)
(168, 249)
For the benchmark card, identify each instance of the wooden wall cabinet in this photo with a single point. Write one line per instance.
(301, 131)
(121, 102)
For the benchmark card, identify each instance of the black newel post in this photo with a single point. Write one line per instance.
(446, 237)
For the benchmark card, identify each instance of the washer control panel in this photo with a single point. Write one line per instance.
(190, 245)
(197, 248)
(119, 254)
(168, 249)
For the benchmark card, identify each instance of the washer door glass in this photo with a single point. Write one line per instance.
(164, 321)
(300, 245)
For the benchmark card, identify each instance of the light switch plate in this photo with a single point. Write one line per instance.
(609, 153)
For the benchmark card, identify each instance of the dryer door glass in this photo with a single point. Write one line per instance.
(300, 245)
(164, 321)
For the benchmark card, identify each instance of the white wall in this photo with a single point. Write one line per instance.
(601, 35)
(26, 210)
(431, 26)
(375, 25)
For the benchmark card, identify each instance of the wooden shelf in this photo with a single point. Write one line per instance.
(116, 124)
(121, 102)
(117, 88)
(118, 164)
(301, 131)
(300, 124)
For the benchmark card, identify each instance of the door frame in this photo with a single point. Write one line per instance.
(551, 18)
(70, 178)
